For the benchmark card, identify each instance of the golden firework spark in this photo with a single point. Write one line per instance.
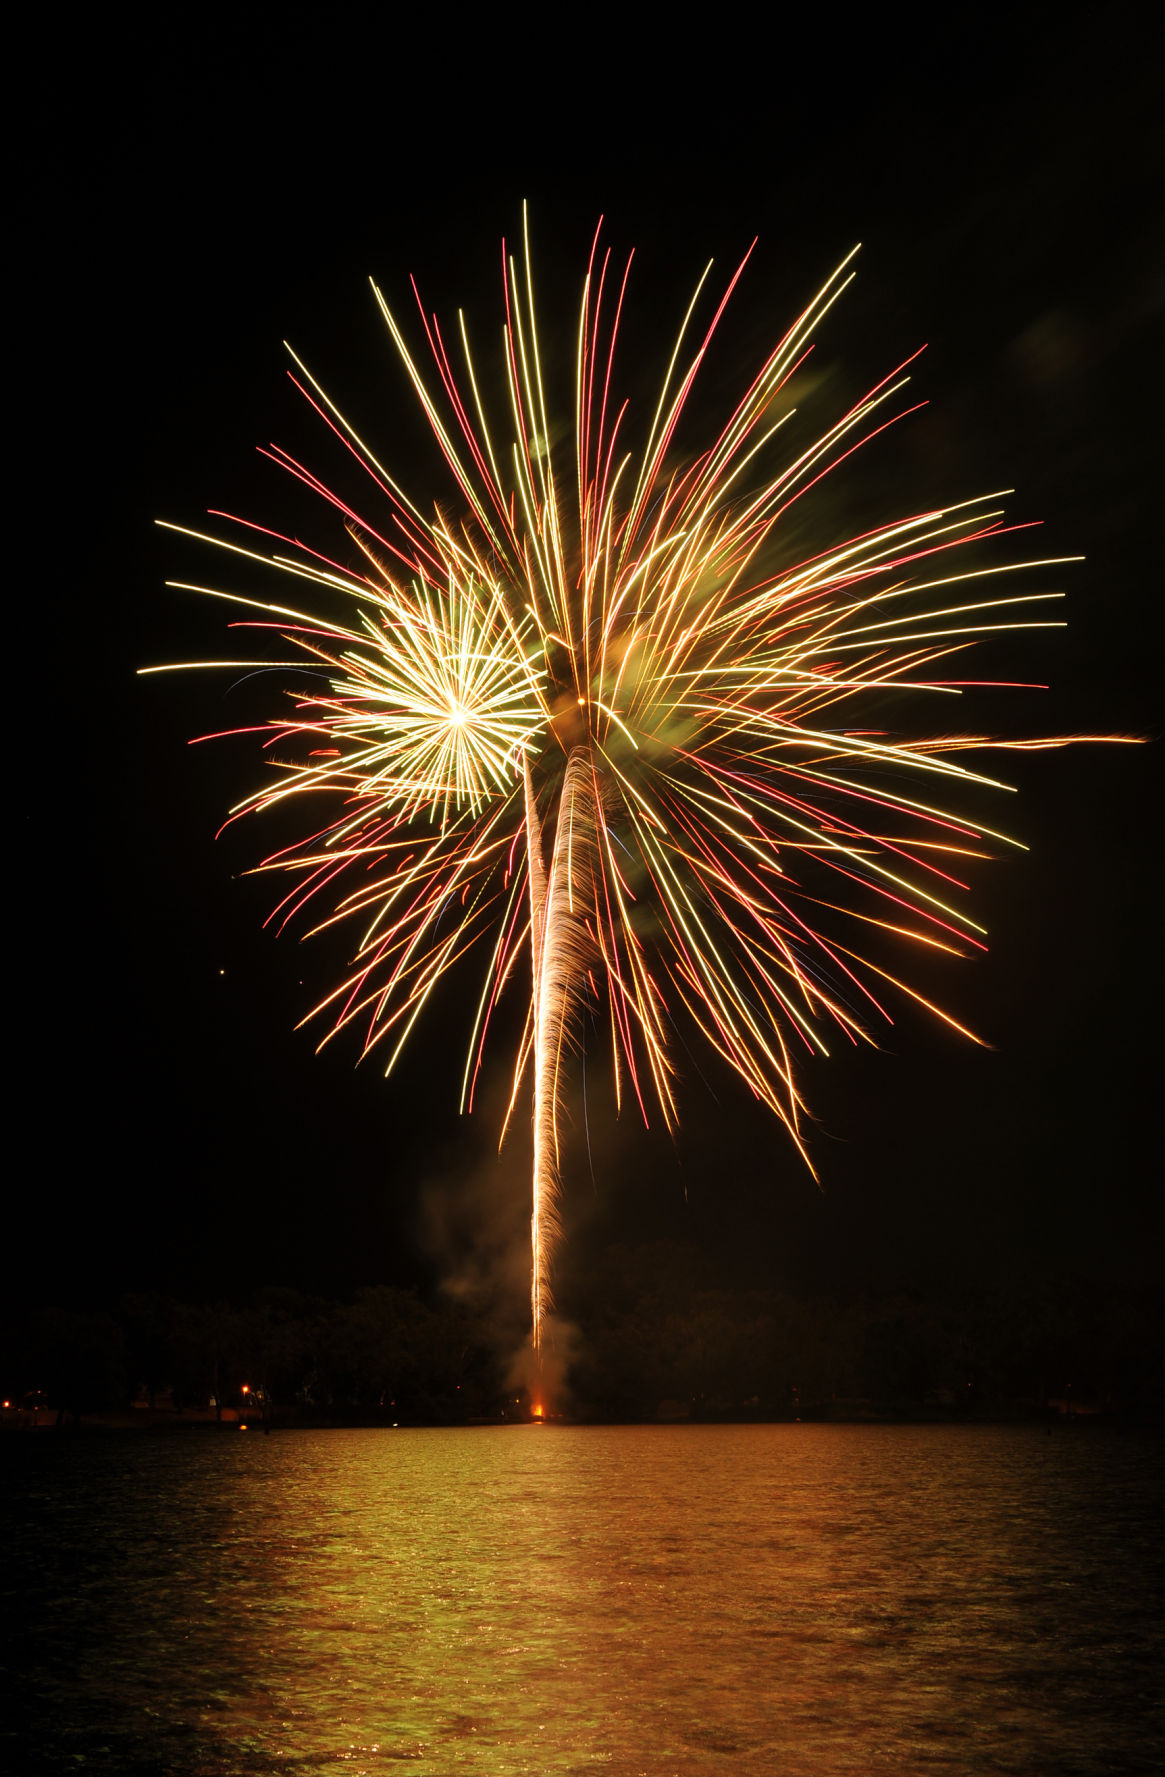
(615, 716)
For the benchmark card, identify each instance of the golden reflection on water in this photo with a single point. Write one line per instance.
(657, 1599)
(791, 1599)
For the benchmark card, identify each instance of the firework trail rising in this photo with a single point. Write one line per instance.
(616, 717)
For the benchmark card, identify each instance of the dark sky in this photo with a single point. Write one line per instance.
(193, 196)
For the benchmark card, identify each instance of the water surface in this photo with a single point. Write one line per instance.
(793, 1599)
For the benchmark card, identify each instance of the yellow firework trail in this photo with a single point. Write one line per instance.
(617, 716)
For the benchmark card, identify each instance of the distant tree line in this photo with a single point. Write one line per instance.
(381, 1354)
(1085, 1346)
(646, 1337)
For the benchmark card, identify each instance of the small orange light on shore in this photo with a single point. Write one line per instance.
(536, 1411)
(242, 1428)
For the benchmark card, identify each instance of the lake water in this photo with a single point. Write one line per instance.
(793, 1599)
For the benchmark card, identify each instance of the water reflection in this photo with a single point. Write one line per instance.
(793, 1599)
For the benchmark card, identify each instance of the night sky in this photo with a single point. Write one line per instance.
(191, 200)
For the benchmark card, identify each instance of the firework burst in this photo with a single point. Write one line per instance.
(615, 722)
